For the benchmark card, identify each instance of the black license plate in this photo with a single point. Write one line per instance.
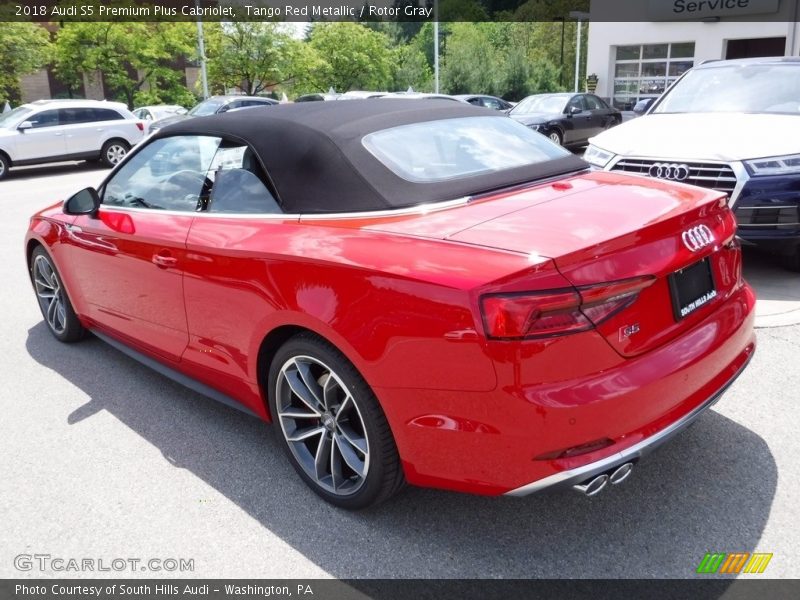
(691, 288)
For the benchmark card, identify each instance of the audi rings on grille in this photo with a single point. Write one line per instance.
(697, 238)
(671, 171)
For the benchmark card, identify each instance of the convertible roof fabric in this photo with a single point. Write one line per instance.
(313, 154)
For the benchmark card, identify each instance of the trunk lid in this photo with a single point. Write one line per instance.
(625, 227)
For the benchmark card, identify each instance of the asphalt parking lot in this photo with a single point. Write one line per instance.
(105, 459)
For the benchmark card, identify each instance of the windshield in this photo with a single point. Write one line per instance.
(736, 88)
(457, 148)
(541, 104)
(208, 107)
(14, 117)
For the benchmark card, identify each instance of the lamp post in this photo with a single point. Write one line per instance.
(201, 46)
(436, 45)
(580, 17)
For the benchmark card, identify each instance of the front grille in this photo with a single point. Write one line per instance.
(768, 217)
(717, 176)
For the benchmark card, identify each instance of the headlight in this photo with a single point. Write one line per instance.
(535, 126)
(777, 165)
(597, 157)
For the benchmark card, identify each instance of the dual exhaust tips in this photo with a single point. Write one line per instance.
(594, 486)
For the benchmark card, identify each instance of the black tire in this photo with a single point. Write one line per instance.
(5, 165)
(556, 137)
(113, 151)
(57, 312)
(383, 474)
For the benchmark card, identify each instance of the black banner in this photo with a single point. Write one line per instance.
(61, 11)
(384, 589)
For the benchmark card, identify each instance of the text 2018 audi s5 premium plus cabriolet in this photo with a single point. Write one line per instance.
(413, 291)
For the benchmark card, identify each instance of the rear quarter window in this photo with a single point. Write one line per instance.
(450, 149)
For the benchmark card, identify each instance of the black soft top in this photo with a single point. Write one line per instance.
(313, 154)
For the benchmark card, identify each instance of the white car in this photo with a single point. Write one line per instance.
(733, 126)
(55, 130)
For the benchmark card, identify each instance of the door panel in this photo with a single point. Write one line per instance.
(129, 267)
(45, 139)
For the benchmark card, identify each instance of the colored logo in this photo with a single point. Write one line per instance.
(735, 563)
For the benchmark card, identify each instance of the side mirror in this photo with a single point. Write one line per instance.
(574, 110)
(85, 202)
(24, 125)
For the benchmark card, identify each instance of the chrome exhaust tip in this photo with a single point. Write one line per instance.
(621, 474)
(593, 486)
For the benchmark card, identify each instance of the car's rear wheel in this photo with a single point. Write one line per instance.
(333, 429)
(4, 166)
(113, 152)
(53, 301)
(555, 137)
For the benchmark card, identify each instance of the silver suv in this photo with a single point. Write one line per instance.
(54, 130)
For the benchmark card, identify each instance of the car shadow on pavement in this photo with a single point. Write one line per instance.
(709, 490)
(53, 169)
(770, 280)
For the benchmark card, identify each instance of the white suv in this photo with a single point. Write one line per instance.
(54, 130)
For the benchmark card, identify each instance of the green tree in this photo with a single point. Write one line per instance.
(133, 57)
(254, 57)
(470, 62)
(24, 48)
(411, 69)
(352, 56)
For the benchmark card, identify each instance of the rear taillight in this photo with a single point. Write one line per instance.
(557, 312)
(140, 125)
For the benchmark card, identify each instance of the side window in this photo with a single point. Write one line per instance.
(576, 102)
(239, 185)
(75, 116)
(491, 103)
(593, 102)
(475, 101)
(106, 114)
(46, 118)
(169, 174)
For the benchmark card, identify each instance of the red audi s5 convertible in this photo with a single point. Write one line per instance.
(412, 291)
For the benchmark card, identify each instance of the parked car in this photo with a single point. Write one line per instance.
(402, 287)
(56, 130)
(360, 95)
(212, 106)
(160, 111)
(492, 102)
(331, 95)
(418, 96)
(731, 126)
(567, 119)
(149, 114)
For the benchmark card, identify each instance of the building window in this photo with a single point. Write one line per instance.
(646, 70)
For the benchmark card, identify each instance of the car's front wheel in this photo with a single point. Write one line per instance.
(555, 137)
(113, 152)
(331, 425)
(53, 301)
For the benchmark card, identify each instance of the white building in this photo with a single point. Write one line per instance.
(640, 58)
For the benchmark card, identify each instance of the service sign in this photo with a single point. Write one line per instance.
(674, 10)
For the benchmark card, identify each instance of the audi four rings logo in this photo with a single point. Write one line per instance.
(671, 171)
(697, 237)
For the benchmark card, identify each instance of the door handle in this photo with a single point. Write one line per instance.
(164, 261)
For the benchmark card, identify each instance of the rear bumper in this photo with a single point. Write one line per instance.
(577, 475)
(547, 400)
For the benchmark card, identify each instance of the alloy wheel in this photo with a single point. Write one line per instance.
(115, 153)
(322, 425)
(50, 294)
(554, 137)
